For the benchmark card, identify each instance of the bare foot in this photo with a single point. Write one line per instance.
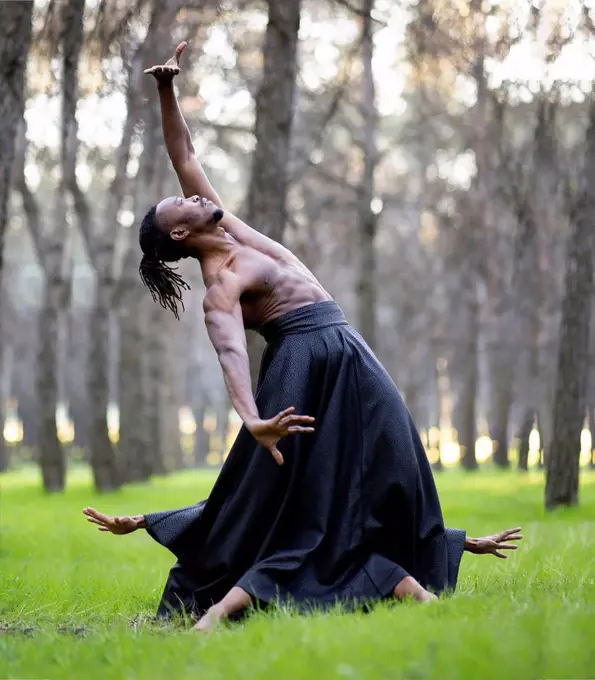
(210, 620)
(409, 587)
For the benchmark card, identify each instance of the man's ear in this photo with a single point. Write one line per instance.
(179, 233)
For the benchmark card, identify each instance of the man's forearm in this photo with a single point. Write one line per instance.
(176, 134)
(236, 373)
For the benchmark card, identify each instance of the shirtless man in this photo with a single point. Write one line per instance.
(348, 513)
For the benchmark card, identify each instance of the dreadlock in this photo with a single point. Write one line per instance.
(164, 284)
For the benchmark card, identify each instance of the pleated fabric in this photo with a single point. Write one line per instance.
(353, 510)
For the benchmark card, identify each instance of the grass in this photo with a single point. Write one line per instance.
(75, 603)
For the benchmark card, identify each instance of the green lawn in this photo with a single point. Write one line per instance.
(74, 602)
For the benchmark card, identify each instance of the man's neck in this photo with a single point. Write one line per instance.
(215, 253)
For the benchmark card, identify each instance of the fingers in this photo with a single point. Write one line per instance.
(510, 535)
(277, 455)
(294, 419)
(166, 69)
(92, 520)
(509, 532)
(502, 556)
(286, 412)
(179, 49)
(298, 428)
(91, 512)
(102, 528)
(507, 546)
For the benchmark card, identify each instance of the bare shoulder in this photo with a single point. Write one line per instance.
(243, 273)
(224, 291)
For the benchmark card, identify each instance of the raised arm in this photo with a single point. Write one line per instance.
(225, 326)
(190, 172)
(178, 141)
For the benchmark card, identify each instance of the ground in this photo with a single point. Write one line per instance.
(75, 603)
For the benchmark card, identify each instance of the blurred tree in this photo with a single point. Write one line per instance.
(274, 107)
(15, 37)
(562, 460)
(367, 215)
(101, 452)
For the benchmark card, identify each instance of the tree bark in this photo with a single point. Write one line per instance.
(154, 354)
(524, 436)
(170, 416)
(201, 437)
(562, 461)
(223, 424)
(49, 241)
(102, 453)
(502, 396)
(51, 454)
(135, 442)
(366, 282)
(468, 398)
(6, 373)
(274, 102)
(15, 38)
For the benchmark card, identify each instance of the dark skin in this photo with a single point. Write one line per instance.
(250, 280)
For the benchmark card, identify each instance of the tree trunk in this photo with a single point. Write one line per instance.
(135, 443)
(51, 455)
(438, 404)
(78, 398)
(201, 438)
(524, 436)
(6, 361)
(101, 450)
(502, 390)
(468, 398)
(223, 424)
(366, 283)
(562, 463)
(267, 192)
(154, 374)
(15, 37)
(170, 418)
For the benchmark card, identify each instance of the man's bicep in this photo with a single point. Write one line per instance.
(223, 317)
(194, 181)
(226, 330)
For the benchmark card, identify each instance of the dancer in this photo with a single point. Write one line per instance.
(327, 495)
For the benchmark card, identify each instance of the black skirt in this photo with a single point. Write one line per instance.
(353, 510)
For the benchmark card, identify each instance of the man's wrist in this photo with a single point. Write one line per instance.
(140, 521)
(251, 422)
(164, 86)
(470, 544)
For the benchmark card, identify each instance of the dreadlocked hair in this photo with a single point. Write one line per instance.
(164, 283)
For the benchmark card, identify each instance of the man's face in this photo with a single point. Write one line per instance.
(192, 215)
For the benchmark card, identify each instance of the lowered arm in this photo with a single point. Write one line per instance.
(225, 326)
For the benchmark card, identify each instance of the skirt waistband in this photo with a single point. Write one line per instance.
(304, 320)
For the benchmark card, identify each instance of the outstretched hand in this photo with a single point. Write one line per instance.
(494, 544)
(165, 73)
(116, 525)
(268, 432)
